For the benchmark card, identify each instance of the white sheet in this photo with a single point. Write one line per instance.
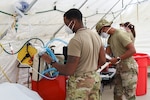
(13, 91)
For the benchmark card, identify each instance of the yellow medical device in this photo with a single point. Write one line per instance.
(26, 54)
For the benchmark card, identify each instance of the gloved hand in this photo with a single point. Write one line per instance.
(41, 51)
(51, 54)
(52, 72)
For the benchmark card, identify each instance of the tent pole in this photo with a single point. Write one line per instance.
(122, 3)
(30, 6)
(137, 12)
(108, 11)
(64, 24)
(123, 9)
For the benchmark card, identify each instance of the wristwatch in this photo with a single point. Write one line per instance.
(52, 62)
(118, 60)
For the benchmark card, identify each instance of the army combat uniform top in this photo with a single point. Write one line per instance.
(126, 74)
(85, 83)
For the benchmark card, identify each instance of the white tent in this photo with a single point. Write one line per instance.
(45, 21)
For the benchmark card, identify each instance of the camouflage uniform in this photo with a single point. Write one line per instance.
(84, 87)
(85, 83)
(126, 71)
(125, 80)
(126, 76)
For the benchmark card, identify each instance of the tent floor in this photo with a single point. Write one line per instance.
(107, 93)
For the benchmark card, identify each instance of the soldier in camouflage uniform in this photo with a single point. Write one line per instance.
(84, 87)
(85, 55)
(121, 46)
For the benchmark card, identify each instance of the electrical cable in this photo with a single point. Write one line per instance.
(107, 12)
(55, 72)
(6, 13)
(42, 74)
(10, 53)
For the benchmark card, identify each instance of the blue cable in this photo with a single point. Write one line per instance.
(54, 71)
(56, 40)
(50, 53)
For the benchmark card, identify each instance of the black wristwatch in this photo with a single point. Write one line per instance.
(52, 62)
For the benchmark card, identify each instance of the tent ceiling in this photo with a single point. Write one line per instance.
(54, 18)
(45, 18)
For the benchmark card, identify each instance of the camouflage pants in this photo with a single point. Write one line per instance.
(84, 87)
(125, 84)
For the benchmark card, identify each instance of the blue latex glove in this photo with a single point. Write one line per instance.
(50, 53)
